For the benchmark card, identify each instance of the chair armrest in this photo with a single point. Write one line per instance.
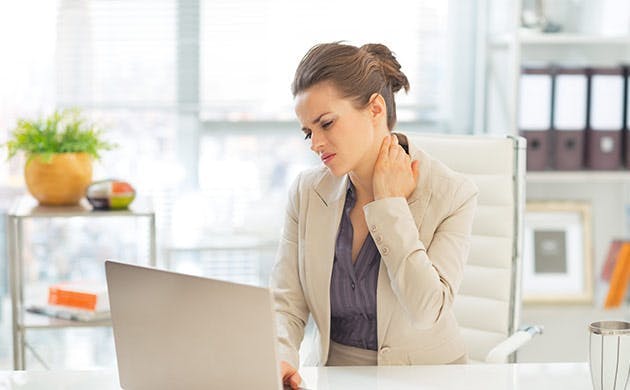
(500, 353)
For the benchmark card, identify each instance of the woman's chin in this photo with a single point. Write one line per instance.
(336, 171)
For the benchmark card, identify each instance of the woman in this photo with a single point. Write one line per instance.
(374, 243)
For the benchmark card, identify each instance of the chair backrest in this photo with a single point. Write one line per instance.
(487, 306)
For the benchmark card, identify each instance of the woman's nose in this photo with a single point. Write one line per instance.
(317, 141)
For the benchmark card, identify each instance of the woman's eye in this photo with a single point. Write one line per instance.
(326, 125)
(307, 136)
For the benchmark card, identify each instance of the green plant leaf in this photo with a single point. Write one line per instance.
(63, 131)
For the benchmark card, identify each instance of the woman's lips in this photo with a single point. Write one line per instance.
(327, 157)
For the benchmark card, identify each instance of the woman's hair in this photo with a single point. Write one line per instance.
(357, 72)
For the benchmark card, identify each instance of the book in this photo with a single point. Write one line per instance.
(81, 295)
(619, 278)
(611, 258)
(69, 313)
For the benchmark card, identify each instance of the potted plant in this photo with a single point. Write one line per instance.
(59, 151)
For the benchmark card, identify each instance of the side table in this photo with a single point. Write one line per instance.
(25, 208)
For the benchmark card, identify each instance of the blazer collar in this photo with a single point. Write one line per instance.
(330, 188)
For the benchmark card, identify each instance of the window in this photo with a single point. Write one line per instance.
(197, 92)
(250, 49)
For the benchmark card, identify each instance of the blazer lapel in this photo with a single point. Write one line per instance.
(325, 206)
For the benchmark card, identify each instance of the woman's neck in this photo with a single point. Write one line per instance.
(361, 175)
(363, 186)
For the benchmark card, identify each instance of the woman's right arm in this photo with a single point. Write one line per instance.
(290, 306)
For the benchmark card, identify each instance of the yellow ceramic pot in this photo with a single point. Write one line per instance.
(61, 181)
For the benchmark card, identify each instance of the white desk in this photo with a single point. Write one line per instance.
(524, 376)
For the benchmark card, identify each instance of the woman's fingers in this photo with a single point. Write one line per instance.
(391, 150)
(415, 169)
(384, 151)
(395, 147)
(295, 380)
(286, 370)
(395, 174)
(290, 375)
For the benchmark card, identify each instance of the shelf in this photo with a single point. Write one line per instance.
(39, 321)
(578, 177)
(27, 207)
(559, 39)
(573, 39)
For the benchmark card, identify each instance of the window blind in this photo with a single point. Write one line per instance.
(115, 53)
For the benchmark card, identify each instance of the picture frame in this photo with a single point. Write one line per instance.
(557, 258)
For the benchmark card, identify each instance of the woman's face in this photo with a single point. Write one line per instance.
(340, 134)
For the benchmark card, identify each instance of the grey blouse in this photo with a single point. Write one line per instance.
(353, 286)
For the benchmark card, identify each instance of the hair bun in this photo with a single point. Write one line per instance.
(391, 67)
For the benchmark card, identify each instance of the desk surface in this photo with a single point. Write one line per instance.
(524, 376)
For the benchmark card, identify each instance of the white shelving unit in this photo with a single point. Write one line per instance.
(507, 49)
(26, 209)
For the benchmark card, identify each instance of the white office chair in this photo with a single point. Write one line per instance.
(488, 304)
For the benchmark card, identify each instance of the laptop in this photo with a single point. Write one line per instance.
(176, 331)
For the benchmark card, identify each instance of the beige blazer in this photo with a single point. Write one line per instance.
(423, 241)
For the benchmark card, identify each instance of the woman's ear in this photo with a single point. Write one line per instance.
(377, 107)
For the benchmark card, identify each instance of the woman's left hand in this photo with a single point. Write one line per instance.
(395, 175)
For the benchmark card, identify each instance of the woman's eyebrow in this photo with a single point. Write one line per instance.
(320, 117)
(316, 120)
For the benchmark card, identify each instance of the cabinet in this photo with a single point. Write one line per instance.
(26, 211)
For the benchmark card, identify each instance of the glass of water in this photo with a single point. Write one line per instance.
(609, 355)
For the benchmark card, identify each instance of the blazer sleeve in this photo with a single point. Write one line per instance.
(291, 310)
(424, 280)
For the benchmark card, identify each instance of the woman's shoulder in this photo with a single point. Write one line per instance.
(311, 176)
(449, 181)
(442, 179)
(445, 175)
(308, 178)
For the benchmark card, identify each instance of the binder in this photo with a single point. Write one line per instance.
(606, 118)
(534, 115)
(569, 117)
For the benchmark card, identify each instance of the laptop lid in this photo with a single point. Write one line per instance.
(176, 331)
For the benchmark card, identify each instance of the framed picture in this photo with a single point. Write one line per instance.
(557, 263)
